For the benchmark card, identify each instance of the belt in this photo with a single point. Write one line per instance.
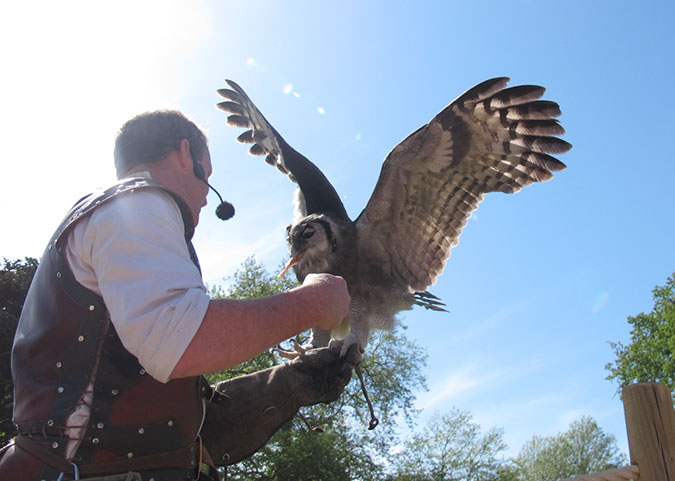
(184, 458)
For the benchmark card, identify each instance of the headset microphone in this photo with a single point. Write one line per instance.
(225, 210)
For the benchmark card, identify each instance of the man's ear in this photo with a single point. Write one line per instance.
(184, 156)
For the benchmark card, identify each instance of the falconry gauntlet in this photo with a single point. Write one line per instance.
(249, 409)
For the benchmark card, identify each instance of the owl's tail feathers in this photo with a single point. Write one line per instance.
(427, 300)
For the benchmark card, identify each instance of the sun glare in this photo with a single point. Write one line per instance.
(80, 69)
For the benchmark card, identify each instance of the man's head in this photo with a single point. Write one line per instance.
(167, 144)
(147, 138)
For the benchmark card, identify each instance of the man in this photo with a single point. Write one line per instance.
(117, 330)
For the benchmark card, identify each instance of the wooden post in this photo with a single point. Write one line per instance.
(650, 422)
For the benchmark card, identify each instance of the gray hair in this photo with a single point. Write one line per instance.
(149, 137)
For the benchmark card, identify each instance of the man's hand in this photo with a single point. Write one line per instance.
(323, 374)
(332, 299)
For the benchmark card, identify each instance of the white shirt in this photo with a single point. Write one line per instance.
(132, 252)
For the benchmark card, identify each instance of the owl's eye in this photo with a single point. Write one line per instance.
(307, 233)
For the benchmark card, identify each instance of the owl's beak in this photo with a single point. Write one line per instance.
(290, 263)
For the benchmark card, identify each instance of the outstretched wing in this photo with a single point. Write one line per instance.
(489, 139)
(319, 195)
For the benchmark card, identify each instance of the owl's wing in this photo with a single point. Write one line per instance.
(489, 139)
(317, 192)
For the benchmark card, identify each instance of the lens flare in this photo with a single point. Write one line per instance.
(600, 302)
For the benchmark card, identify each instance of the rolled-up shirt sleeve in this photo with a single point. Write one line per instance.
(132, 251)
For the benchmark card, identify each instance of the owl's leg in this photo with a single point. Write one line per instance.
(319, 338)
(357, 335)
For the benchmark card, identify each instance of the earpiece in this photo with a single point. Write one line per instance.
(199, 170)
(225, 210)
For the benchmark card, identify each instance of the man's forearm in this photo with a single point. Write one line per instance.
(234, 331)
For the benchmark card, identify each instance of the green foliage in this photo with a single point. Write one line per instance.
(650, 355)
(15, 279)
(252, 281)
(300, 454)
(583, 449)
(452, 447)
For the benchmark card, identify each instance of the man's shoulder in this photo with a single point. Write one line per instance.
(128, 199)
(138, 201)
(123, 187)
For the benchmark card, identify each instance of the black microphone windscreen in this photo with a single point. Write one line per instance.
(225, 211)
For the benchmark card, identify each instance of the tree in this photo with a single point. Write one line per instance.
(342, 448)
(299, 454)
(15, 279)
(650, 355)
(452, 447)
(583, 449)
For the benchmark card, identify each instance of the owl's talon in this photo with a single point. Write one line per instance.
(298, 348)
(286, 354)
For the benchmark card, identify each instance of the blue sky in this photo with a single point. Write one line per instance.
(540, 281)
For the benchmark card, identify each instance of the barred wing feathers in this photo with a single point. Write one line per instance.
(489, 139)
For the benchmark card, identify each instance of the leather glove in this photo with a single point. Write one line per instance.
(249, 409)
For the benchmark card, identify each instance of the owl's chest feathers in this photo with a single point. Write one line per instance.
(376, 293)
(383, 296)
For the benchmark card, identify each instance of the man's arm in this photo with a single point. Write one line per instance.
(234, 331)
(158, 302)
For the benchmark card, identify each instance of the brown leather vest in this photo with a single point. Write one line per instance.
(65, 341)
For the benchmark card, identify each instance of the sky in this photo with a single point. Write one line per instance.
(540, 281)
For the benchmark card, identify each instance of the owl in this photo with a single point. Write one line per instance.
(490, 139)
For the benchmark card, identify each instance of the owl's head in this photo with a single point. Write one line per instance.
(317, 244)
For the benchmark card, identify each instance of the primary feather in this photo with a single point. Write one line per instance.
(491, 138)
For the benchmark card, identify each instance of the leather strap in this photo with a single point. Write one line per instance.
(185, 458)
